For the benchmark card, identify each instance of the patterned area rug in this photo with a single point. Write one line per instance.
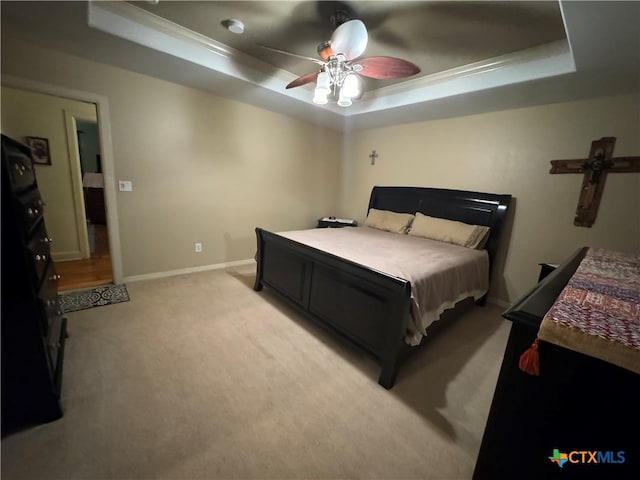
(96, 297)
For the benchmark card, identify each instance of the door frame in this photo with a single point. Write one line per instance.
(70, 117)
(104, 128)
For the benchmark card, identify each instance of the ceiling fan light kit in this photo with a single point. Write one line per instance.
(337, 77)
(344, 101)
(323, 89)
(351, 86)
(340, 72)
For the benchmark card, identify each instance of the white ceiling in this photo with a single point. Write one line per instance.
(474, 56)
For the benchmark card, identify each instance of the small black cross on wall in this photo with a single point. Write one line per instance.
(373, 156)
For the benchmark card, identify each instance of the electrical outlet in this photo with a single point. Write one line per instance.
(198, 247)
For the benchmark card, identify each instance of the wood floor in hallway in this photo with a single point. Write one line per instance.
(88, 272)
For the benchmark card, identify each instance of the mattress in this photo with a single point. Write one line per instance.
(441, 274)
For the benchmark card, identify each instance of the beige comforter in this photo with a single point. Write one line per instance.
(441, 274)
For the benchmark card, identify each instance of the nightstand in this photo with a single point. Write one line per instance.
(333, 222)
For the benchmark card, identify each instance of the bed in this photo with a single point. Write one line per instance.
(370, 302)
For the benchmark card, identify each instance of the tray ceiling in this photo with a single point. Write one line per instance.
(474, 56)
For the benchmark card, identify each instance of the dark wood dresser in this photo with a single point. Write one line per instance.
(579, 406)
(33, 328)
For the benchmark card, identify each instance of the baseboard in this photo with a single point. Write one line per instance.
(183, 271)
(66, 256)
(498, 302)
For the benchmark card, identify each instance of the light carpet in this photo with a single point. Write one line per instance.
(200, 377)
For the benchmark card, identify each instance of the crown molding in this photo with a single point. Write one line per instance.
(534, 63)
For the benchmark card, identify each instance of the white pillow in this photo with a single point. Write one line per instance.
(389, 221)
(450, 231)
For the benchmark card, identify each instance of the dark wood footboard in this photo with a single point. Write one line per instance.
(366, 307)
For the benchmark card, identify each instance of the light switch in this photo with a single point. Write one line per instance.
(125, 185)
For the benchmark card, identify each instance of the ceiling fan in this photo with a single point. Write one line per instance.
(340, 65)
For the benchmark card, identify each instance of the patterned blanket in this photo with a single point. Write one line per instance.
(598, 312)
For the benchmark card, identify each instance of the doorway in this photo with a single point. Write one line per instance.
(94, 268)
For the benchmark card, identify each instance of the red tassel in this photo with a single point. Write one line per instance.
(530, 360)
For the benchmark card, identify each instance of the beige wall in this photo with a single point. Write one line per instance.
(509, 152)
(36, 115)
(204, 169)
(208, 169)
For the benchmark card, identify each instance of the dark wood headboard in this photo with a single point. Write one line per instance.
(475, 208)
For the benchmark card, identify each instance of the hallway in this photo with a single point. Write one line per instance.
(88, 272)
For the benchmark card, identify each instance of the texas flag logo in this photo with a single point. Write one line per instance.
(559, 458)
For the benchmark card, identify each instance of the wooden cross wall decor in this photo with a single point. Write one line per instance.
(595, 168)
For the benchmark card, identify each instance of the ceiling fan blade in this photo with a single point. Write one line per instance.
(385, 68)
(303, 80)
(350, 39)
(284, 52)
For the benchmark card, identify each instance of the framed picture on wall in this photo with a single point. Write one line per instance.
(40, 149)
